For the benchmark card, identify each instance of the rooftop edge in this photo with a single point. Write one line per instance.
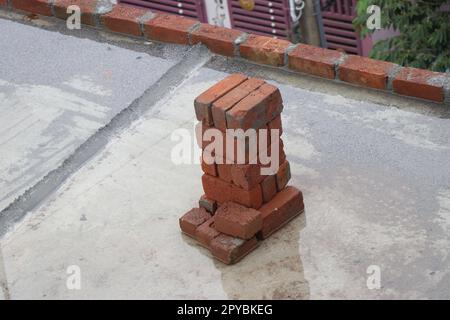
(301, 58)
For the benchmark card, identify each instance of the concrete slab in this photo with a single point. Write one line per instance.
(55, 92)
(376, 190)
(375, 178)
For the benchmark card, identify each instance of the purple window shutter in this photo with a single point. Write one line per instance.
(188, 8)
(338, 27)
(269, 18)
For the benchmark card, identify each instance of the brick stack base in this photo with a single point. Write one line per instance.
(241, 206)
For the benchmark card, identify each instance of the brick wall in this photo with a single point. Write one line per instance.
(333, 65)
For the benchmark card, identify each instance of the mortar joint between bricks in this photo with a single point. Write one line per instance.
(191, 30)
(51, 3)
(391, 76)
(149, 15)
(291, 47)
(447, 90)
(337, 65)
(236, 44)
(102, 7)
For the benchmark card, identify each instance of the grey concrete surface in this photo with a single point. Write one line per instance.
(374, 176)
(55, 92)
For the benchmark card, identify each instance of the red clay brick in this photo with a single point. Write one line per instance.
(281, 154)
(281, 157)
(169, 28)
(365, 72)
(241, 146)
(314, 60)
(238, 221)
(286, 205)
(264, 50)
(257, 109)
(202, 140)
(124, 19)
(230, 250)
(276, 124)
(206, 232)
(222, 192)
(200, 130)
(224, 172)
(88, 10)
(283, 175)
(209, 204)
(248, 157)
(269, 188)
(246, 176)
(218, 39)
(204, 101)
(210, 169)
(3, 3)
(41, 7)
(225, 103)
(192, 219)
(420, 84)
(245, 148)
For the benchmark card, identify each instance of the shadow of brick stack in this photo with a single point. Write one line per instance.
(242, 204)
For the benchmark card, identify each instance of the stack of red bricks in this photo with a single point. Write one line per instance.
(241, 205)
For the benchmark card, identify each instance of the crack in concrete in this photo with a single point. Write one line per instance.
(194, 58)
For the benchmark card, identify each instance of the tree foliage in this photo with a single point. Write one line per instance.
(424, 40)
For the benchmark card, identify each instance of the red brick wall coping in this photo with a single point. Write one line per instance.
(325, 63)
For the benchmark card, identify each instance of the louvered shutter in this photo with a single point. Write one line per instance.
(338, 27)
(188, 8)
(270, 18)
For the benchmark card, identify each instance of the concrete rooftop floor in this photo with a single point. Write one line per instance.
(86, 178)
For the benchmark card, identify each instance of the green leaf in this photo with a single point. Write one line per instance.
(425, 32)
